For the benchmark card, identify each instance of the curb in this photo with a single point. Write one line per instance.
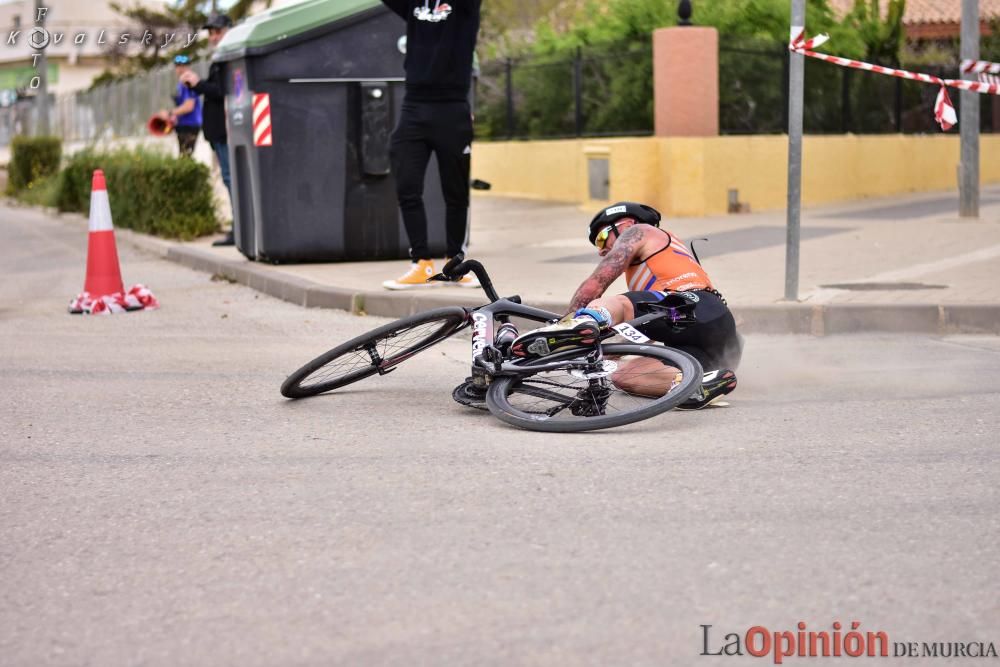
(781, 318)
(839, 319)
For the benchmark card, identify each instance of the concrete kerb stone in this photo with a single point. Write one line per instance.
(783, 318)
(449, 296)
(386, 304)
(321, 296)
(286, 288)
(193, 259)
(971, 319)
(793, 318)
(150, 244)
(897, 318)
(787, 318)
(263, 281)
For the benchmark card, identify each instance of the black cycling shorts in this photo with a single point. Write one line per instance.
(711, 339)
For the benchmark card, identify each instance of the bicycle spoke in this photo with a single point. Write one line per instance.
(383, 353)
(561, 394)
(377, 352)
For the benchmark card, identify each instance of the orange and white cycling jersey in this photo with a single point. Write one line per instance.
(671, 269)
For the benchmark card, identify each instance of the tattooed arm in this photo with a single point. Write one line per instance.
(612, 266)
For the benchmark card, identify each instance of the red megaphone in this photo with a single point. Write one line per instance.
(159, 126)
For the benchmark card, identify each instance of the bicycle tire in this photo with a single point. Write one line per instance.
(549, 400)
(393, 343)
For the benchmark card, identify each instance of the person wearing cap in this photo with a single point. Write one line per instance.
(436, 117)
(214, 90)
(659, 268)
(186, 115)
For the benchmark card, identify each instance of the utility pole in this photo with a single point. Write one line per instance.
(968, 125)
(42, 98)
(796, 86)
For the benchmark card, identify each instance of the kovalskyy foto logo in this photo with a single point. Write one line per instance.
(39, 38)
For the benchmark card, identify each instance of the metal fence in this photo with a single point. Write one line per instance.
(119, 109)
(605, 91)
(597, 92)
(753, 92)
(609, 91)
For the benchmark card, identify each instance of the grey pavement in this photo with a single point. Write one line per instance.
(161, 504)
(897, 264)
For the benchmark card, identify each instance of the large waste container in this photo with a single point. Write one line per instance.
(313, 91)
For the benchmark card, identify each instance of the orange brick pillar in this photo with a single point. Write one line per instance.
(686, 82)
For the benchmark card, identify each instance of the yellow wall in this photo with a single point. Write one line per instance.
(691, 176)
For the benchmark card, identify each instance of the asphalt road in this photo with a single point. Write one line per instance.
(161, 504)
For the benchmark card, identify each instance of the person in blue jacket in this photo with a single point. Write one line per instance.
(186, 115)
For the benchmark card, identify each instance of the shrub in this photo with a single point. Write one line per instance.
(32, 159)
(150, 192)
(41, 192)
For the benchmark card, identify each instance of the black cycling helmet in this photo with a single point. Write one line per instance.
(624, 209)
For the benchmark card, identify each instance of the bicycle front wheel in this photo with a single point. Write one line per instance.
(376, 352)
(630, 383)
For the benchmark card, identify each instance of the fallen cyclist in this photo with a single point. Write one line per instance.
(656, 264)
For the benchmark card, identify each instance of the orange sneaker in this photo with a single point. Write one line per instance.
(415, 278)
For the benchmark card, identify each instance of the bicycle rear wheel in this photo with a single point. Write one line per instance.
(584, 396)
(376, 352)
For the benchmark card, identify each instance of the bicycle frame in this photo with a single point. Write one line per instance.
(487, 360)
(493, 364)
(484, 319)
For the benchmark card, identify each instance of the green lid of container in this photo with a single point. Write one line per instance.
(270, 30)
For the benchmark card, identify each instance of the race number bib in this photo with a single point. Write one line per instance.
(630, 332)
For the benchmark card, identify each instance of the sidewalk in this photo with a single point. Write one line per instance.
(901, 264)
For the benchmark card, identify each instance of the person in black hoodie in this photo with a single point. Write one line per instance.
(214, 114)
(436, 117)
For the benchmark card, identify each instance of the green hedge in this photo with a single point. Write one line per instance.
(150, 192)
(32, 159)
(41, 192)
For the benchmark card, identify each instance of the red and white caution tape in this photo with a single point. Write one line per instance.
(944, 110)
(988, 72)
(980, 67)
(137, 298)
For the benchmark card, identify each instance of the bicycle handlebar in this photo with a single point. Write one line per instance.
(459, 266)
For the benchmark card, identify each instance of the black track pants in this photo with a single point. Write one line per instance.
(444, 128)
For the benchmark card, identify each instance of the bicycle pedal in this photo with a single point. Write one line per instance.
(539, 347)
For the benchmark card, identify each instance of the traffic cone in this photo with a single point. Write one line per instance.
(103, 289)
(104, 275)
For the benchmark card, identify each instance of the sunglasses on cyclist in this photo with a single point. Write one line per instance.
(601, 239)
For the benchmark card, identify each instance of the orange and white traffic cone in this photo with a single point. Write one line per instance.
(103, 290)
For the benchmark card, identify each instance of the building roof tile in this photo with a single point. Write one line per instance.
(930, 11)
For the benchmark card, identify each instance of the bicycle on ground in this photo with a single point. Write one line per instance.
(581, 389)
